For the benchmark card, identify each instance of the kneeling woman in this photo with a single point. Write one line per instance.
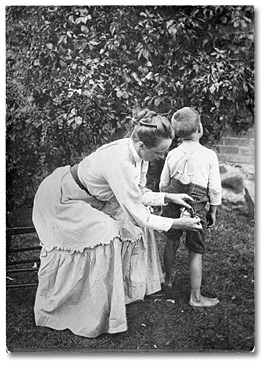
(96, 231)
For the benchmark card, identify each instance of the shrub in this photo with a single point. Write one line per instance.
(76, 74)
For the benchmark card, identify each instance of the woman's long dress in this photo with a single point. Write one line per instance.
(98, 251)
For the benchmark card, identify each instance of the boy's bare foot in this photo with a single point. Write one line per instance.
(204, 302)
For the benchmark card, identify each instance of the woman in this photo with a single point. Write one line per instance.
(96, 231)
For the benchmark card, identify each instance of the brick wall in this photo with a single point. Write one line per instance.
(234, 148)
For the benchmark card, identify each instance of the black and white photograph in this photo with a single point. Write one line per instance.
(130, 179)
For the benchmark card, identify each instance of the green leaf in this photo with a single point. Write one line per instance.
(62, 63)
(85, 29)
(149, 75)
(157, 101)
(78, 120)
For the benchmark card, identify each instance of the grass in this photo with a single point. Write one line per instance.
(156, 324)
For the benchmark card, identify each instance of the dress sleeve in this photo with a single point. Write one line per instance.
(165, 176)
(128, 193)
(149, 198)
(214, 183)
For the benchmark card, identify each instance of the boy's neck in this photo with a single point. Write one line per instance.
(191, 139)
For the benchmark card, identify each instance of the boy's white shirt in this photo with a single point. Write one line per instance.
(206, 169)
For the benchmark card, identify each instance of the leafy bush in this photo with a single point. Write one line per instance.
(76, 74)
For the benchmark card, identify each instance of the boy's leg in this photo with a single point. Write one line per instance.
(169, 259)
(195, 272)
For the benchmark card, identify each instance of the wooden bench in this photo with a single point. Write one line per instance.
(22, 251)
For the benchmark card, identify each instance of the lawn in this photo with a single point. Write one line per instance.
(158, 324)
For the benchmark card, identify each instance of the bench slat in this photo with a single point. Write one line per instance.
(11, 231)
(20, 285)
(17, 250)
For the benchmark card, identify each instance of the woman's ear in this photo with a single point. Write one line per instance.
(141, 145)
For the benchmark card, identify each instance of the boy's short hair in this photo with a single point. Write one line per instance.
(185, 122)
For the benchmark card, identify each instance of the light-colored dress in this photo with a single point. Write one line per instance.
(98, 251)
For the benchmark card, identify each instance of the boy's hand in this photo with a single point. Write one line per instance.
(211, 219)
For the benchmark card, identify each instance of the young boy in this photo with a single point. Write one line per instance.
(193, 169)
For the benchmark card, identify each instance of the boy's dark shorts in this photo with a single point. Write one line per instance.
(194, 239)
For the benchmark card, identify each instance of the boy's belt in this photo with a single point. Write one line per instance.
(74, 173)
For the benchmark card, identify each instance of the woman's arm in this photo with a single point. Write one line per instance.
(129, 197)
(187, 223)
(178, 198)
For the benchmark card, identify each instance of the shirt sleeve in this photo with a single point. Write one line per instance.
(128, 194)
(214, 183)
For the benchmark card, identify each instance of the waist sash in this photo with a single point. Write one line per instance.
(74, 173)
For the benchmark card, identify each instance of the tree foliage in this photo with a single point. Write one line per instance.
(76, 74)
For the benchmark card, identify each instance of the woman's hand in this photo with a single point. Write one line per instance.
(179, 199)
(187, 223)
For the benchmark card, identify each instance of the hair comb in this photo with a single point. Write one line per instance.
(148, 125)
